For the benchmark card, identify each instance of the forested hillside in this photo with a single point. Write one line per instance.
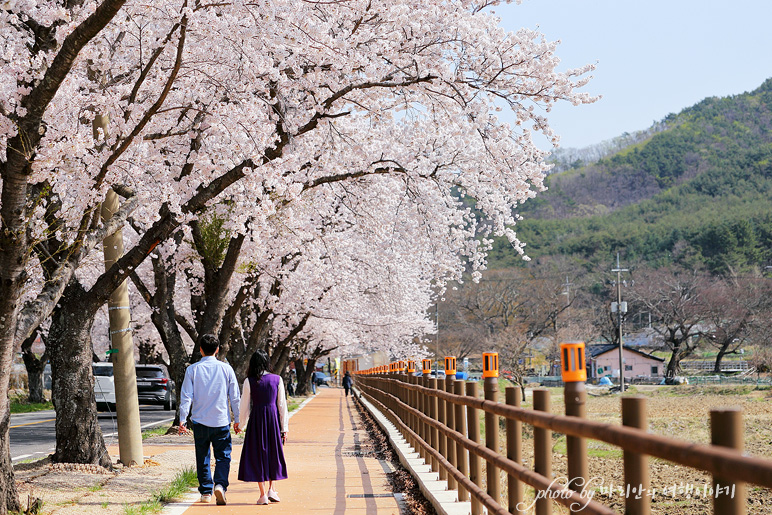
(698, 193)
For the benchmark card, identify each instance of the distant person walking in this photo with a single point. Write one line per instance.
(264, 412)
(347, 382)
(208, 388)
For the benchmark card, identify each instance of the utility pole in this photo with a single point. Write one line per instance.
(619, 308)
(121, 341)
(567, 292)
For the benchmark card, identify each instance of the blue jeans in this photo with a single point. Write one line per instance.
(219, 438)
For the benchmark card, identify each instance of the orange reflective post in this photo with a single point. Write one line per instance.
(491, 390)
(490, 364)
(450, 366)
(574, 375)
(450, 417)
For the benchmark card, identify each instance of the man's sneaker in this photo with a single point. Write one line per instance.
(263, 499)
(205, 498)
(219, 495)
(273, 496)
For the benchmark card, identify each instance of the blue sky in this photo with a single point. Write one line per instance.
(654, 57)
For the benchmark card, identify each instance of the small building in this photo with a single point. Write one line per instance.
(603, 361)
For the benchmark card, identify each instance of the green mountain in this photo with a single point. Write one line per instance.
(697, 192)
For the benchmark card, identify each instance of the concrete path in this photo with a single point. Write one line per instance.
(327, 473)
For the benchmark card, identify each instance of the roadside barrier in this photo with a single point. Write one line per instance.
(440, 418)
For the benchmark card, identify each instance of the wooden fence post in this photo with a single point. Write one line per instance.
(414, 418)
(514, 449)
(433, 430)
(636, 465)
(491, 389)
(461, 452)
(442, 439)
(473, 425)
(726, 430)
(425, 433)
(450, 420)
(574, 375)
(542, 449)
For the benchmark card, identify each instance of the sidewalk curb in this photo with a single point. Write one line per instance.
(445, 501)
(179, 507)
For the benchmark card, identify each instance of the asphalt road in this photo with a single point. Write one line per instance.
(33, 435)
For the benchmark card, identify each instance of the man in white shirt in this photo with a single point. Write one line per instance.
(208, 389)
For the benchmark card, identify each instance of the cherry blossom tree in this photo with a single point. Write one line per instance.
(674, 298)
(736, 312)
(260, 101)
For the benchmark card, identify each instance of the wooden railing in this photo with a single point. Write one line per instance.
(440, 419)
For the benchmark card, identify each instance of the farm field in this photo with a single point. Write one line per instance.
(674, 411)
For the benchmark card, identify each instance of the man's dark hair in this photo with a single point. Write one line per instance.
(209, 344)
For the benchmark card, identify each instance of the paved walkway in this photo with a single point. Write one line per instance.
(327, 474)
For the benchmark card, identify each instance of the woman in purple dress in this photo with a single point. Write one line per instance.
(264, 405)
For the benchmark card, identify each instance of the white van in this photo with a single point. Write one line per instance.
(104, 386)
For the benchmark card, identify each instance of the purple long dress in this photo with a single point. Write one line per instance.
(262, 457)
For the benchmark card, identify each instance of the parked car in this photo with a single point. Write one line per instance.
(104, 386)
(154, 386)
(320, 378)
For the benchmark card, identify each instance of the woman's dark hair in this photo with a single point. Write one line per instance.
(259, 364)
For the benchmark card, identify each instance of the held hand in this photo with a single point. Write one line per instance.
(283, 438)
(183, 430)
(236, 427)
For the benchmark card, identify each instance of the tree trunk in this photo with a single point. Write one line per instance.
(721, 353)
(13, 259)
(217, 279)
(10, 499)
(35, 367)
(35, 379)
(304, 375)
(674, 365)
(175, 348)
(78, 435)
(164, 318)
(282, 361)
(237, 351)
(239, 355)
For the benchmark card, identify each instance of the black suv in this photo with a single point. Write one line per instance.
(154, 386)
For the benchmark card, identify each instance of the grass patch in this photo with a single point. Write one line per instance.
(20, 404)
(156, 431)
(595, 449)
(695, 390)
(181, 484)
